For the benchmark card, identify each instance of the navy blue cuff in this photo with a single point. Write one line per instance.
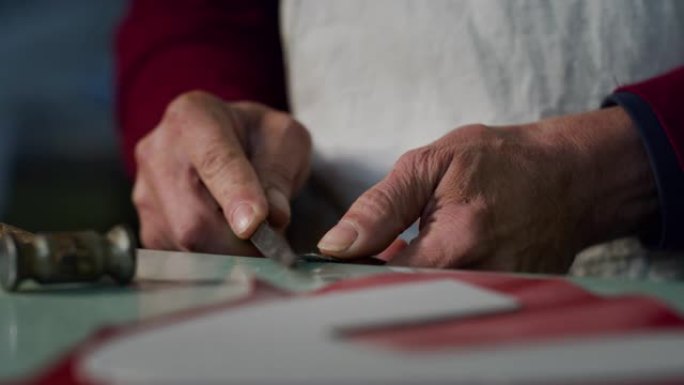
(667, 233)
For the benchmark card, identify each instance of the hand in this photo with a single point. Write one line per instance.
(517, 198)
(211, 171)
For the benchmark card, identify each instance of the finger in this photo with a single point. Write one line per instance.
(449, 237)
(280, 156)
(381, 213)
(153, 230)
(217, 154)
(181, 211)
(392, 250)
(195, 219)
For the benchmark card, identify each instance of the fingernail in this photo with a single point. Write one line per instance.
(242, 217)
(278, 200)
(339, 238)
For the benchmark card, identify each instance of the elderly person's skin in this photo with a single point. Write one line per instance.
(212, 170)
(520, 198)
(517, 198)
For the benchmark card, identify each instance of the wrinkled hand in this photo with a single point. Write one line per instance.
(211, 171)
(518, 198)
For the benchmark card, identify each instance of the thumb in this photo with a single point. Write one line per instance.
(378, 216)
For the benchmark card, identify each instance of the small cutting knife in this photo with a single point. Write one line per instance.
(273, 245)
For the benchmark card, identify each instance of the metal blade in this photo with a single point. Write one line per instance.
(312, 273)
(273, 245)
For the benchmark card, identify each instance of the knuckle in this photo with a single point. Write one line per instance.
(142, 199)
(301, 133)
(188, 101)
(475, 130)
(283, 124)
(138, 196)
(186, 107)
(475, 137)
(469, 134)
(279, 123)
(248, 105)
(408, 159)
(422, 159)
(420, 169)
(249, 112)
(142, 151)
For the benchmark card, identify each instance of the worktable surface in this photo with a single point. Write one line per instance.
(37, 324)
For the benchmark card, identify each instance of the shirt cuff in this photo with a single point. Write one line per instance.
(665, 234)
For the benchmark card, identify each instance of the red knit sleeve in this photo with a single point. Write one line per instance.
(167, 47)
(665, 96)
(655, 106)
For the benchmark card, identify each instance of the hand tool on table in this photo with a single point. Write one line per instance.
(273, 245)
(87, 256)
(61, 257)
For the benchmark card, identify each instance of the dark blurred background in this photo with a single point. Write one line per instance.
(59, 157)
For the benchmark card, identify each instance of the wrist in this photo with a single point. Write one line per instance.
(608, 175)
